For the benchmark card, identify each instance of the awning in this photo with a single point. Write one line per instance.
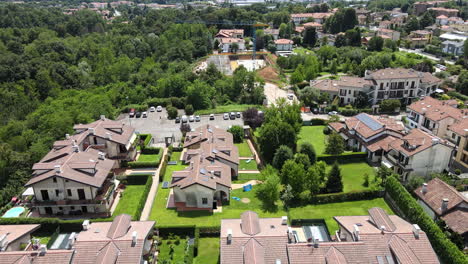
(29, 191)
(387, 164)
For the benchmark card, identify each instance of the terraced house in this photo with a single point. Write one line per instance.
(213, 161)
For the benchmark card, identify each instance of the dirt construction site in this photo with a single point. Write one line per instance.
(228, 63)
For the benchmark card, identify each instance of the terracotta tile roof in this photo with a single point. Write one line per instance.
(115, 131)
(119, 226)
(394, 73)
(381, 219)
(456, 220)
(437, 190)
(283, 41)
(271, 31)
(436, 110)
(312, 24)
(83, 167)
(335, 256)
(381, 143)
(299, 29)
(231, 40)
(442, 17)
(51, 256)
(402, 251)
(325, 85)
(230, 32)
(311, 15)
(208, 133)
(250, 223)
(349, 252)
(429, 78)
(415, 142)
(13, 232)
(352, 81)
(460, 127)
(108, 254)
(367, 125)
(337, 126)
(254, 253)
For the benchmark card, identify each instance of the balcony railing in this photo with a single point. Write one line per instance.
(35, 202)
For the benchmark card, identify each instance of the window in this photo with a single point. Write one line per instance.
(69, 193)
(54, 179)
(204, 200)
(73, 207)
(60, 208)
(57, 192)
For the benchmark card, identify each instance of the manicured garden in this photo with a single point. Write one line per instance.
(244, 149)
(353, 175)
(129, 200)
(247, 165)
(208, 251)
(315, 136)
(172, 250)
(149, 157)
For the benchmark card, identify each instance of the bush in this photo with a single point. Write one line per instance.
(326, 131)
(342, 197)
(162, 171)
(445, 249)
(237, 133)
(150, 150)
(389, 105)
(171, 112)
(142, 202)
(137, 107)
(196, 241)
(144, 164)
(137, 179)
(182, 230)
(315, 122)
(189, 109)
(343, 158)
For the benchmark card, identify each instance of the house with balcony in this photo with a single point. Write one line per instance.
(458, 134)
(419, 38)
(388, 34)
(114, 138)
(418, 154)
(434, 116)
(68, 181)
(370, 134)
(442, 201)
(313, 17)
(16, 237)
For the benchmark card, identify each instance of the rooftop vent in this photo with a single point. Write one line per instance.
(444, 205)
(424, 188)
(91, 130)
(284, 220)
(134, 238)
(103, 117)
(356, 233)
(108, 135)
(43, 250)
(416, 230)
(85, 225)
(229, 236)
(75, 148)
(316, 243)
(102, 155)
(58, 169)
(67, 136)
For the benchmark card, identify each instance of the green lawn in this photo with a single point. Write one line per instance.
(208, 251)
(244, 177)
(244, 149)
(353, 175)
(314, 135)
(43, 237)
(179, 251)
(130, 199)
(148, 157)
(243, 165)
(175, 156)
(327, 211)
(226, 108)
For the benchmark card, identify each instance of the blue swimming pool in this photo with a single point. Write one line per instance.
(14, 212)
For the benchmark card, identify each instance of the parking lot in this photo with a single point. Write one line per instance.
(160, 127)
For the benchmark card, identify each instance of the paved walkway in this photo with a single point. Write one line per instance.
(235, 186)
(254, 151)
(249, 171)
(153, 191)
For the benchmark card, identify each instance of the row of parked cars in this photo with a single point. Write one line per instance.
(197, 118)
(138, 114)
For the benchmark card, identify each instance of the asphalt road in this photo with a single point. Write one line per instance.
(160, 127)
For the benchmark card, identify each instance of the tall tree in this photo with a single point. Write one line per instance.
(282, 154)
(335, 144)
(310, 37)
(375, 44)
(307, 149)
(293, 174)
(334, 182)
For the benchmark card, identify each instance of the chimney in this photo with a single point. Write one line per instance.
(229, 236)
(42, 250)
(71, 240)
(356, 233)
(284, 220)
(103, 117)
(108, 135)
(424, 188)
(382, 228)
(101, 155)
(278, 261)
(444, 205)
(67, 136)
(435, 141)
(57, 169)
(85, 225)
(75, 148)
(91, 130)
(316, 243)
(134, 238)
(290, 235)
(416, 230)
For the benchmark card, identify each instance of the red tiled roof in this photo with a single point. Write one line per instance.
(119, 226)
(394, 73)
(250, 224)
(417, 140)
(380, 218)
(381, 143)
(14, 232)
(283, 41)
(337, 126)
(460, 127)
(51, 256)
(457, 221)
(254, 253)
(436, 110)
(115, 131)
(437, 190)
(390, 124)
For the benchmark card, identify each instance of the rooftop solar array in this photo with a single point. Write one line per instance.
(369, 121)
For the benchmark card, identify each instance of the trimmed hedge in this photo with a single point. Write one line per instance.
(315, 122)
(137, 107)
(150, 150)
(445, 249)
(346, 197)
(137, 179)
(347, 157)
(146, 140)
(458, 95)
(353, 112)
(141, 203)
(143, 164)
(51, 224)
(180, 230)
(196, 241)
(162, 171)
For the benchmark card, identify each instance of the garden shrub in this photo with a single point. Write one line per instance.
(445, 249)
(349, 157)
(137, 107)
(345, 197)
(315, 122)
(150, 150)
(183, 230)
(141, 203)
(144, 164)
(196, 241)
(163, 168)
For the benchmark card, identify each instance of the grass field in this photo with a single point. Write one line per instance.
(353, 175)
(244, 177)
(244, 149)
(208, 251)
(130, 199)
(148, 157)
(175, 156)
(243, 165)
(179, 251)
(315, 136)
(225, 109)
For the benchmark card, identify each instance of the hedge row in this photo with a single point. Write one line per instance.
(143, 164)
(346, 157)
(180, 230)
(142, 202)
(315, 122)
(353, 112)
(340, 197)
(137, 179)
(162, 171)
(51, 224)
(458, 95)
(445, 249)
(174, 101)
(137, 107)
(150, 150)
(146, 138)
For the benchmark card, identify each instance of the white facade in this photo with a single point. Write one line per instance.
(199, 196)
(394, 89)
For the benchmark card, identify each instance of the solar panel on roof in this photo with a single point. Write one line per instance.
(368, 121)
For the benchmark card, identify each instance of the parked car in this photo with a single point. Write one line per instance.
(332, 113)
(197, 118)
(191, 118)
(177, 119)
(138, 114)
(232, 115)
(152, 109)
(184, 119)
(226, 116)
(132, 112)
(238, 114)
(144, 114)
(159, 108)
(212, 117)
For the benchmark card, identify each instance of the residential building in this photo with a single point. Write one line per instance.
(228, 44)
(350, 88)
(419, 38)
(273, 32)
(370, 134)
(15, 237)
(388, 34)
(69, 181)
(230, 33)
(453, 47)
(315, 17)
(444, 20)
(449, 12)
(362, 20)
(283, 45)
(441, 201)
(421, 7)
(213, 162)
(418, 154)
(374, 238)
(317, 26)
(326, 86)
(119, 241)
(434, 116)
(114, 138)
(457, 134)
